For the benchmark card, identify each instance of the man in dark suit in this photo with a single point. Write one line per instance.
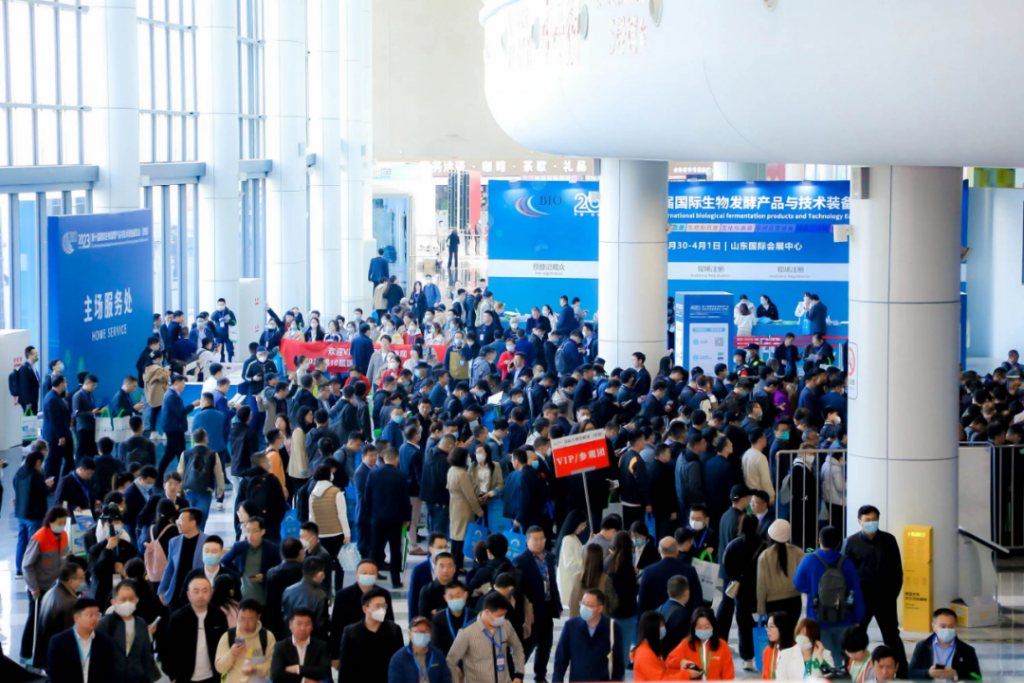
(289, 665)
(121, 404)
(28, 382)
(958, 660)
(132, 663)
(253, 586)
(532, 491)
(95, 660)
(184, 553)
(73, 489)
(817, 314)
(83, 411)
(283, 576)
(676, 613)
(654, 580)
(378, 268)
(760, 506)
(387, 508)
(57, 430)
(135, 498)
(175, 422)
(537, 568)
(367, 646)
(187, 625)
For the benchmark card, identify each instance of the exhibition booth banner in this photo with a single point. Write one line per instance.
(99, 294)
(338, 354)
(754, 238)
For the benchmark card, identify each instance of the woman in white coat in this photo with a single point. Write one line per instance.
(805, 659)
(744, 320)
(569, 551)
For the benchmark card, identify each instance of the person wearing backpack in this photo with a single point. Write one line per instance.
(202, 475)
(250, 657)
(834, 597)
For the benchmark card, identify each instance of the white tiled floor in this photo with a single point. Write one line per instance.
(1001, 650)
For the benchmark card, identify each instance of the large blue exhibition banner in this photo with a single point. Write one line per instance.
(805, 203)
(100, 294)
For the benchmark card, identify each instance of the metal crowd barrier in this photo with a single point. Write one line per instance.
(1007, 496)
(812, 503)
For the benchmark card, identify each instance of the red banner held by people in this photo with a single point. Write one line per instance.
(339, 354)
(580, 453)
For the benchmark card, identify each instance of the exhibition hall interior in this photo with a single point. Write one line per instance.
(511, 341)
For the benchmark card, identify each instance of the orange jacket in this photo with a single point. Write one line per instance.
(277, 469)
(769, 662)
(648, 666)
(718, 665)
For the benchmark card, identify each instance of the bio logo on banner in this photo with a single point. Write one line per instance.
(580, 453)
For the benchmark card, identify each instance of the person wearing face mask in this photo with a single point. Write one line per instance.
(348, 605)
(368, 646)
(448, 622)
(806, 658)
(488, 649)
(315, 332)
(213, 551)
(767, 309)
(112, 550)
(648, 662)
(420, 661)
(944, 655)
(589, 645)
(133, 648)
(876, 555)
(703, 655)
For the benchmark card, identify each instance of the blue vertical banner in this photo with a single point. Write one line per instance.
(707, 329)
(99, 293)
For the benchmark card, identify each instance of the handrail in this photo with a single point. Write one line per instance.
(984, 541)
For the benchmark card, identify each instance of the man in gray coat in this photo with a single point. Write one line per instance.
(308, 593)
(55, 610)
(133, 649)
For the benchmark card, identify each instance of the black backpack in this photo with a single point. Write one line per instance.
(830, 601)
(258, 493)
(199, 473)
(233, 635)
(13, 385)
(560, 364)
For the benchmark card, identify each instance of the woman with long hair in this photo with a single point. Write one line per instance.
(740, 564)
(418, 301)
(703, 654)
(463, 506)
(805, 659)
(298, 461)
(767, 308)
(776, 568)
(648, 662)
(745, 320)
(592, 576)
(569, 553)
(488, 482)
(645, 546)
(619, 566)
(333, 334)
(780, 637)
(226, 594)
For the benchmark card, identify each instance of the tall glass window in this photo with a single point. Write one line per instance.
(251, 128)
(167, 80)
(175, 268)
(252, 218)
(41, 111)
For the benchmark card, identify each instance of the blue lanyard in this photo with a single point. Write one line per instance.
(418, 667)
(82, 484)
(465, 617)
(935, 650)
(496, 644)
(703, 536)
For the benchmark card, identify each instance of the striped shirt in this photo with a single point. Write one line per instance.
(475, 649)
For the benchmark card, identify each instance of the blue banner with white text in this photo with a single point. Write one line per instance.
(100, 294)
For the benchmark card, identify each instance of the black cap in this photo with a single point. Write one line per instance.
(752, 347)
(739, 491)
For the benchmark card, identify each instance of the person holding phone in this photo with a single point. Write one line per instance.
(944, 655)
(248, 649)
(31, 488)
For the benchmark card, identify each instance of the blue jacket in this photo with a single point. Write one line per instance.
(533, 498)
(175, 412)
(817, 316)
(359, 479)
(566, 321)
(56, 425)
(378, 269)
(571, 354)
(810, 572)
(386, 498)
(392, 432)
(585, 655)
(831, 399)
(433, 294)
(404, 669)
(410, 461)
(235, 558)
(809, 399)
(654, 584)
(212, 420)
(222, 321)
(438, 396)
(533, 582)
(362, 350)
(169, 581)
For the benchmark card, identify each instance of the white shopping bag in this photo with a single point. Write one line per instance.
(710, 583)
(122, 429)
(31, 426)
(349, 557)
(104, 426)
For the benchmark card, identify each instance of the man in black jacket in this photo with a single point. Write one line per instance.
(367, 647)
(146, 357)
(533, 494)
(283, 576)
(181, 657)
(876, 555)
(264, 490)
(434, 484)
(287, 666)
(63, 666)
(303, 399)
(634, 482)
(74, 488)
(386, 506)
(957, 659)
(348, 605)
(83, 412)
(31, 489)
(243, 442)
(28, 382)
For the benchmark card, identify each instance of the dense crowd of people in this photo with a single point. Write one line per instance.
(724, 499)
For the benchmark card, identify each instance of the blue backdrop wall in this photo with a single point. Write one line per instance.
(99, 293)
(771, 238)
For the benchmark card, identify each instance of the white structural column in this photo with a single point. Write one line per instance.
(220, 239)
(356, 80)
(325, 141)
(110, 69)
(904, 317)
(287, 270)
(633, 255)
(795, 171)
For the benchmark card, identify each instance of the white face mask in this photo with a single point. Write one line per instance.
(481, 459)
(125, 609)
(804, 642)
(305, 544)
(378, 614)
(696, 524)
